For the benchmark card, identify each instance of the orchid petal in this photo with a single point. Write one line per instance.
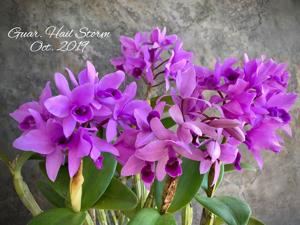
(58, 106)
(62, 84)
(53, 163)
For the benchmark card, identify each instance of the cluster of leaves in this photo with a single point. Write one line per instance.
(104, 190)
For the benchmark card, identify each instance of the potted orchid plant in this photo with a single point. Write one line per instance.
(108, 157)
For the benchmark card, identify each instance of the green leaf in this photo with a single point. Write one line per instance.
(221, 176)
(117, 196)
(167, 219)
(59, 216)
(146, 216)
(188, 185)
(246, 166)
(51, 195)
(158, 187)
(168, 99)
(204, 184)
(232, 210)
(168, 122)
(218, 221)
(96, 181)
(149, 216)
(62, 182)
(255, 221)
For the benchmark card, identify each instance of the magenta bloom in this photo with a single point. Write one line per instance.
(49, 140)
(150, 54)
(23, 115)
(210, 112)
(71, 106)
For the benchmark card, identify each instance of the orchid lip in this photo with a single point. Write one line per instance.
(99, 162)
(63, 141)
(173, 167)
(147, 173)
(82, 113)
(152, 115)
(110, 92)
(27, 123)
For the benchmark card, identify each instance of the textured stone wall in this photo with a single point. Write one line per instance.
(210, 28)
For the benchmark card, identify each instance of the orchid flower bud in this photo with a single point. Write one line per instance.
(237, 133)
(224, 123)
(76, 189)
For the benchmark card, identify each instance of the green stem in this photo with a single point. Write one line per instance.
(92, 213)
(114, 217)
(138, 187)
(187, 215)
(101, 215)
(88, 220)
(21, 187)
(207, 218)
(150, 198)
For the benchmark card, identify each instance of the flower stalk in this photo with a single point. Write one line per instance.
(168, 193)
(101, 216)
(207, 218)
(21, 187)
(187, 215)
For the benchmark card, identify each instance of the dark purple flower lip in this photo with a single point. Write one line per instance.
(152, 115)
(281, 113)
(232, 75)
(173, 167)
(110, 92)
(147, 173)
(27, 123)
(137, 72)
(99, 162)
(82, 113)
(63, 141)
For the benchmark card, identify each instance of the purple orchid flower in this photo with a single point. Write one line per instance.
(123, 112)
(143, 118)
(71, 106)
(214, 155)
(47, 139)
(126, 145)
(165, 151)
(147, 55)
(23, 115)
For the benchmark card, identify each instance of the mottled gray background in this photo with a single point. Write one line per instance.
(210, 28)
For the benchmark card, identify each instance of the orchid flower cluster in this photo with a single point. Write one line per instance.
(203, 115)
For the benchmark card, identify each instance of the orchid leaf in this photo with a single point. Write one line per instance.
(232, 210)
(168, 122)
(184, 193)
(61, 183)
(167, 99)
(245, 166)
(149, 216)
(218, 221)
(96, 181)
(52, 196)
(221, 175)
(166, 219)
(255, 221)
(117, 196)
(59, 216)
(146, 216)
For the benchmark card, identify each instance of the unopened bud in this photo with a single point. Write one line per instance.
(76, 189)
